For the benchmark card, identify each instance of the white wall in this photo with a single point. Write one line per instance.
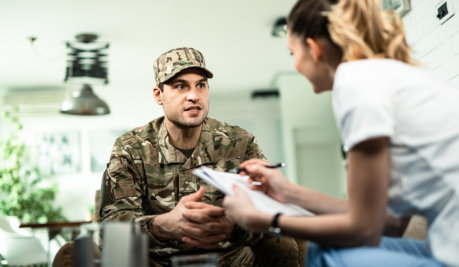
(260, 116)
(435, 45)
(311, 140)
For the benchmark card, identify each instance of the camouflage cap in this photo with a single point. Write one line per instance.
(174, 61)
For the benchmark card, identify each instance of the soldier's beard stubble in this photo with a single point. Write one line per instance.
(184, 125)
(187, 125)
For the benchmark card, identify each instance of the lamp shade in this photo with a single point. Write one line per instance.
(84, 102)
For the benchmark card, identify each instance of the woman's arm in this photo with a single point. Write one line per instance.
(275, 185)
(361, 224)
(314, 201)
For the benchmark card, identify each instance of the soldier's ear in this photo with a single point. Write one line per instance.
(157, 94)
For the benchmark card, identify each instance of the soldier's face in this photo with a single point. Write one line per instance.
(185, 99)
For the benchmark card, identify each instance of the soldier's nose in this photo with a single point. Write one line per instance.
(192, 96)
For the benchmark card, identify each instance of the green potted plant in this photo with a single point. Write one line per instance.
(24, 192)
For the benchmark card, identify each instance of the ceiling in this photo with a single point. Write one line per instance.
(234, 36)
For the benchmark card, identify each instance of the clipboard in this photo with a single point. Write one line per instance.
(224, 181)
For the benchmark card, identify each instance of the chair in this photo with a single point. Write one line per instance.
(19, 249)
(417, 228)
(64, 256)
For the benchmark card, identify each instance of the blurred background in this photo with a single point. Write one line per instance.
(255, 85)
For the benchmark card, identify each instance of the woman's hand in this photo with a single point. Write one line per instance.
(273, 182)
(240, 210)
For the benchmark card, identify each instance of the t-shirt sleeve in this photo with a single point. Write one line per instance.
(363, 107)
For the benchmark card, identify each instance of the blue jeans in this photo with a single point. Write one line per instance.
(392, 252)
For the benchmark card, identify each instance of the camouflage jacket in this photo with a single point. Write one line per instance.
(147, 176)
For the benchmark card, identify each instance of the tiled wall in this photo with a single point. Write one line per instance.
(435, 45)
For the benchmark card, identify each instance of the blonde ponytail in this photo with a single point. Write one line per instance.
(362, 30)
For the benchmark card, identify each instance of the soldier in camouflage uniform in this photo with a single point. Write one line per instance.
(149, 177)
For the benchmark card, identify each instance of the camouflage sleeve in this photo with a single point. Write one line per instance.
(122, 194)
(253, 150)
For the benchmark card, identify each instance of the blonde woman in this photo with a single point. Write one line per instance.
(400, 127)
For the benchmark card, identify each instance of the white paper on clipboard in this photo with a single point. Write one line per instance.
(224, 181)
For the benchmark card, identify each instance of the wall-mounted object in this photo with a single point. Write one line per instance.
(401, 6)
(444, 10)
(100, 143)
(279, 27)
(35, 99)
(56, 152)
(265, 93)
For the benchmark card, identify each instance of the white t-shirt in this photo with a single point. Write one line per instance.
(420, 114)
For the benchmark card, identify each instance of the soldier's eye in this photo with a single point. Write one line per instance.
(180, 86)
(201, 85)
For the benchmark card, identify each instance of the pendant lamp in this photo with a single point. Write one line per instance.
(87, 61)
(84, 102)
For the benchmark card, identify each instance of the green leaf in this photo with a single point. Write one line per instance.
(22, 193)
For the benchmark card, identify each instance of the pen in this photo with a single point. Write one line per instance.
(271, 166)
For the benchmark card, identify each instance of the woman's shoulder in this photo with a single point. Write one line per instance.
(375, 67)
(375, 73)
